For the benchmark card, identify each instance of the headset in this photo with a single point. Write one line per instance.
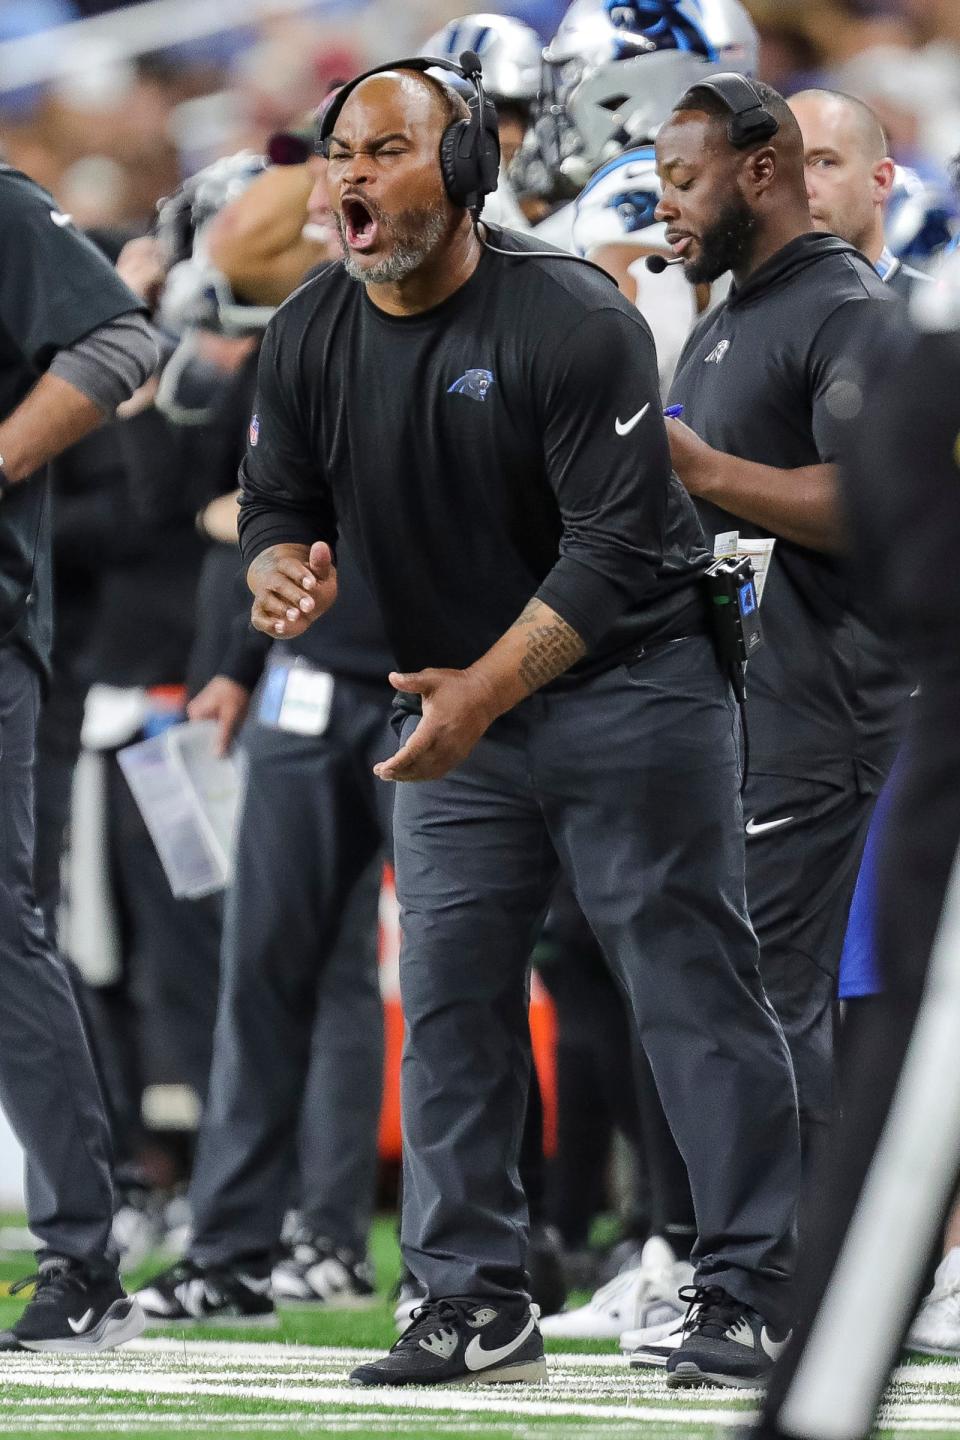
(750, 120)
(469, 149)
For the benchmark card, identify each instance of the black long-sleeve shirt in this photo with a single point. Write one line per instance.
(504, 444)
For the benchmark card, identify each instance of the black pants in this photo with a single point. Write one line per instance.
(904, 1194)
(298, 1048)
(631, 782)
(801, 873)
(898, 1155)
(604, 1083)
(48, 1087)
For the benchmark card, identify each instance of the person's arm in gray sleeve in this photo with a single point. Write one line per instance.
(58, 291)
(110, 363)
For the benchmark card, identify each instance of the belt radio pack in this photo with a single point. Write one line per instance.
(734, 615)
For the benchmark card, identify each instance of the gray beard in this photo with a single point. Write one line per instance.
(407, 255)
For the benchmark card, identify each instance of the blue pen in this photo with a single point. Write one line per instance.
(673, 412)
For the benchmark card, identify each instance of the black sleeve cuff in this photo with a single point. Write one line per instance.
(586, 600)
(259, 529)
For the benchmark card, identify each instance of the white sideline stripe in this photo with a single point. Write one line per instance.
(281, 1354)
(910, 1373)
(385, 1400)
(908, 1185)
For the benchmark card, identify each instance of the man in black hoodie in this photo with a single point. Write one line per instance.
(768, 389)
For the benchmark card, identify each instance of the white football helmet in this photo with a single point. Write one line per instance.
(921, 219)
(618, 204)
(196, 293)
(614, 71)
(509, 51)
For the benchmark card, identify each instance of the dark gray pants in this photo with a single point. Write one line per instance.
(299, 1034)
(48, 1087)
(631, 782)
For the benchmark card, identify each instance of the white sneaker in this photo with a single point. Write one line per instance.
(936, 1327)
(656, 1345)
(620, 1304)
(410, 1297)
(656, 1320)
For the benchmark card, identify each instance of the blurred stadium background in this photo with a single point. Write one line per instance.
(112, 106)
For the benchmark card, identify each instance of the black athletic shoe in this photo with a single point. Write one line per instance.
(188, 1294)
(463, 1342)
(73, 1310)
(724, 1343)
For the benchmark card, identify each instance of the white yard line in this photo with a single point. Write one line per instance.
(169, 1369)
(389, 1399)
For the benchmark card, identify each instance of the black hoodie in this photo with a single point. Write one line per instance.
(772, 375)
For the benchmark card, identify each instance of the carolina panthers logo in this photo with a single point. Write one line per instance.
(476, 384)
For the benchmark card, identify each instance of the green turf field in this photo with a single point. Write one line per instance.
(292, 1381)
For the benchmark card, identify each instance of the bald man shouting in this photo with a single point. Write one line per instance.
(484, 428)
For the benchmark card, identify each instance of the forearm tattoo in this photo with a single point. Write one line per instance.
(551, 645)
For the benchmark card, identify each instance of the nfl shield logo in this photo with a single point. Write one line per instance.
(254, 429)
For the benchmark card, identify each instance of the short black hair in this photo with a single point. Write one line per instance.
(697, 97)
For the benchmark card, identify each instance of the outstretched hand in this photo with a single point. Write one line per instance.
(457, 709)
(292, 587)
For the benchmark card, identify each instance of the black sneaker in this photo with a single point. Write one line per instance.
(317, 1273)
(189, 1294)
(73, 1310)
(725, 1342)
(463, 1342)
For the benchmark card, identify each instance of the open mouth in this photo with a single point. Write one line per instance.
(359, 223)
(680, 244)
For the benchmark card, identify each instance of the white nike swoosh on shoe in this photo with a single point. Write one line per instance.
(79, 1326)
(754, 829)
(259, 1285)
(476, 1358)
(624, 428)
(773, 1348)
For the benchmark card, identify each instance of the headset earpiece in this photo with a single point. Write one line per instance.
(470, 155)
(750, 121)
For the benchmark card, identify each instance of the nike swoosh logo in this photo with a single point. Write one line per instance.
(58, 218)
(754, 829)
(624, 429)
(258, 1286)
(773, 1348)
(476, 1358)
(78, 1326)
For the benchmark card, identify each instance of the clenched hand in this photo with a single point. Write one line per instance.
(292, 586)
